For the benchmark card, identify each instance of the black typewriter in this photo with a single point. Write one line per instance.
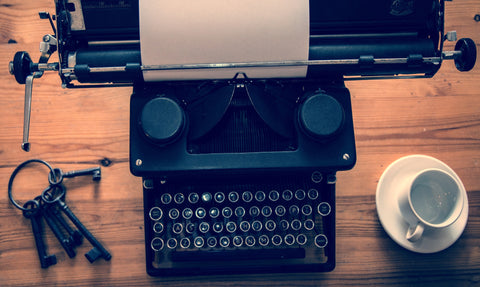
(239, 173)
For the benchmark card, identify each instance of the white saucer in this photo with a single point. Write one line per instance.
(389, 212)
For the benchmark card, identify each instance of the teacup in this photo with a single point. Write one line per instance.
(430, 199)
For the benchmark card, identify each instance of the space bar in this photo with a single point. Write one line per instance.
(235, 255)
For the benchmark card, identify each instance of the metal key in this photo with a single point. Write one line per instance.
(34, 214)
(75, 236)
(59, 175)
(65, 241)
(98, 250)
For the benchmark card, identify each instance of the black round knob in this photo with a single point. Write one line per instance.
(466, 61)
(321, 116)
(162, 120)
(20, 67)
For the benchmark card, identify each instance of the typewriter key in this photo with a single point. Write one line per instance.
(287, 195)
(250, 241)
(219, 197)
(212, 242)
(227, 212)
(260, 196)
(309, 224)
(198, 242)
(193, 198)
(324, 209)
(200, 213)
(173, 213)
(179, 198)
(172, 243)
(203, 227)
(284, 224)
(214, 212)
(177, 228)
(296, 224)
(239, 211)
(294, 210)
(301, 239)
(307, 209)
(185, 242)
(280, 210)
(166, 198)
(257, 225)
(245, 226)
(158, 227)
(206, 197)
(233, 196)
(273, 195)
(190, 227)
(247, 196)
(263, 240)
(270, 225)
(289, 239)
(187, 213)
(321, 241)
(300, 194)
(237, 241)
(155, 213)
(254, 211)
(224, 241)
(313, 194)
(276, 240)
(157, 244)
(217, 227)
(231, 226)
(266, 211)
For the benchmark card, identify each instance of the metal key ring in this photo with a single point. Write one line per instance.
(56, 174)
(15, 172)
(50, 198)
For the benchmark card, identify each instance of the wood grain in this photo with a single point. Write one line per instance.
(75, 129)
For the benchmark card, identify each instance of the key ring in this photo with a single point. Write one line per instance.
(15, 172)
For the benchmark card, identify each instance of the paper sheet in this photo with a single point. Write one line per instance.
(174, 32)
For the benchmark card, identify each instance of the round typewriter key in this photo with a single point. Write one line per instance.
(309, 224)
(237, 241)
(204, 227)
(187, 213)
(260, 196)
(206, 197)
(284, 224)
(245, 226)
(200, 212)
(307, 209)
(155, 213)
(219, 197)
(179, 198)
(158, 227)
(287, 195)
(296, 224)
(166, 198)
(273, 195)
(276, 240)
(254, 211)
(177, 228)
(173, 213)
(190, 227)
(300, 194)
(198, 242)
(224, 241)
(250, 241)
(217, 227)
(172, 243)
(321, 241)
(270, 225)
(313, 194)
(227, 212)
(280, 210)
(211, 241)
(231, 226)
(193, 198)
(289, 239)
(239, 211)
(324, 209)
(185, 242)
(157, 244)
(214, 212)
(247, 196)
(266, 211)
(233, 196)
(263, 240)
(294, 210)
(257, 225)
(301, 239)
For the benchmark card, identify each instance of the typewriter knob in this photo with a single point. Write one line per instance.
(162, 120)
(20, 66)
(321, 116)
(466, 61)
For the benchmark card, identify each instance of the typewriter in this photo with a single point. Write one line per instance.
(239, 167)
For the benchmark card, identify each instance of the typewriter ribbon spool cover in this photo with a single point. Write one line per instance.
(185, 32)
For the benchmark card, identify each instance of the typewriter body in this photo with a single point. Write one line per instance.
(239, 172)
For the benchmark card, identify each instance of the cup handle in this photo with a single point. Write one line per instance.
(414, 233)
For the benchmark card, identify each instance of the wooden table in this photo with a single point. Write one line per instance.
(74, 129)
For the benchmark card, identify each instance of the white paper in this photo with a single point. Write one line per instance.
(176, 32)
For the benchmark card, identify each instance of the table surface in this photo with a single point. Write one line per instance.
(80, 128)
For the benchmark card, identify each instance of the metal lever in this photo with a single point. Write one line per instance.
(27, 109)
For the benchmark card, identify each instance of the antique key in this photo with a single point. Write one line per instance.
(66, 243)
(75, 236)
(98, 250)
(33, 212)
(58, 175)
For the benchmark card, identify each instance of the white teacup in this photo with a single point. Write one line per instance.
(431, 198)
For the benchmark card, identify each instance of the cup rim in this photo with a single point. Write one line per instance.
(457, 209)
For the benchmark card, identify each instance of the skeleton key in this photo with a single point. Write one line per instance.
(34, 214)
(58, 175)
(98, 250)
(75, 236)
(64, 241)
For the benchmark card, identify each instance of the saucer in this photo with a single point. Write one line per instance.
(389, 212)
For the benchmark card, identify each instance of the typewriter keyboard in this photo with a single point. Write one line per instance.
(205, 228)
